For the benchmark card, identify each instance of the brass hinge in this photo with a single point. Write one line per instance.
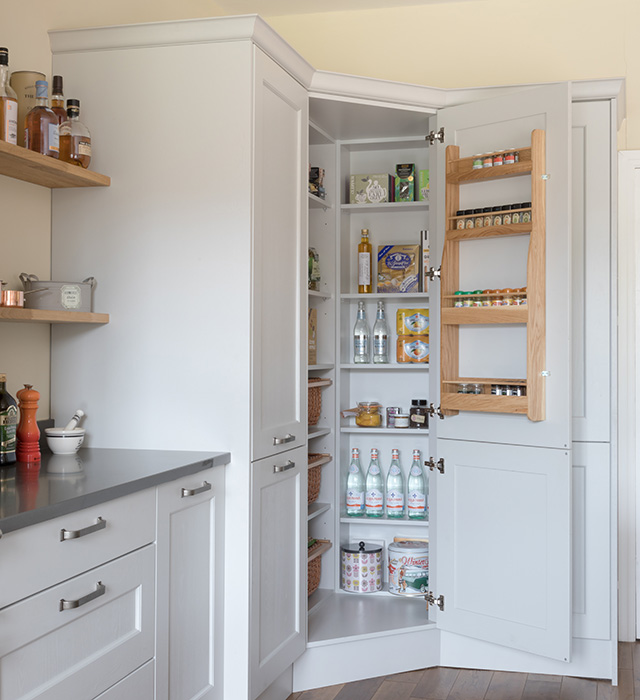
(432, 600)
(432, 464)
(433, 411)
(433, 272)
(435, 136)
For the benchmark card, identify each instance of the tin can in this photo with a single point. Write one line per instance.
(408, 567)
(477, 161)
(392, 412)
(361, 567)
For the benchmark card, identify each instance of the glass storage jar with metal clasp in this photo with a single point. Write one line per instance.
(367, 414)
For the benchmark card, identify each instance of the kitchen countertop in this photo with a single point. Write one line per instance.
(68, 483)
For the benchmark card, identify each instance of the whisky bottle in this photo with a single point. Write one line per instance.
(41, 124)
(8, 102)
(75, 139)
(8, 424)
(364, 263)
(57, 99)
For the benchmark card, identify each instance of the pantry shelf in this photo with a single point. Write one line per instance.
(402, 366)
(485, 232)
(484, 315)
(320, 367)
(319, 295)
(484, 402)
(386, 431)
(460, 170)
(316, 509)
(385, 206)
(316, 202)
(47, 316)
(317, 432)
(422, 296)
(398, 522)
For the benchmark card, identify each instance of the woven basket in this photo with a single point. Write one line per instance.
(314, 565)
(314, 475)
(315, 398)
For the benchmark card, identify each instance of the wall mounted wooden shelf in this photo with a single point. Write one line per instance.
(42, 316)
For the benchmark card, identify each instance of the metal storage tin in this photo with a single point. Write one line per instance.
(361, 567)
(58, 296)
(408, 567)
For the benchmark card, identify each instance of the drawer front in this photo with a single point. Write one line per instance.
(79, 638)
(37, 557)
(138, 685)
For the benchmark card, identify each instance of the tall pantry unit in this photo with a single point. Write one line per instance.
(199, 247)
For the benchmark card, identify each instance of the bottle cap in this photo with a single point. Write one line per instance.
(73, 103)
(57, 85)
(3, 377)
(4, 56)
(42, 88)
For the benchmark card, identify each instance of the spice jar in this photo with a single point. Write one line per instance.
(418, 416)
(469, 221)
(509, 158)
(526, 215)
(402, 420)
(496, 216)
(458, 303)
(460, 221)
(486, 216)
(478, 219)
(498, 159)
(392, 413)
(487, 162)
(477, 161)
(477, 300)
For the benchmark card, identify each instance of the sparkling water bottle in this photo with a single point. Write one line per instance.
(380, 337)
(395, 488)
(355, 486)
(361, 350)
(417, 490)
(374, 487)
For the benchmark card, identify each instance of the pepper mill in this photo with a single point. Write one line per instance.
(28, 433)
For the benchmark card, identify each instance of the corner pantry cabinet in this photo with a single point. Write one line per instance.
(201, 248)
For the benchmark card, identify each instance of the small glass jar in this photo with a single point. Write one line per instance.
(496, 298)
(486, 299)
(477, 161)
(506, 214)
(478, 219)
(487, 162)
(496, 219)
(460, 220)
(463, 388)
(458, 302)
(368, 415)
(392, 412)
(487, 218)
(516, 156)
(402, 420)
(467, 302)
(507, 297)
(476, 389)
(526, 215)
(469, 221)
(418, 414)
(516, 216)
(498, 159)
(477, 300)
(509, 158)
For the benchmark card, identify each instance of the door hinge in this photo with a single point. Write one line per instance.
(432, 464)
(433, 272)
(435, 136)
(432, 600)
(433, 411)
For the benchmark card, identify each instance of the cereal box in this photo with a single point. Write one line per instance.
(398, 268)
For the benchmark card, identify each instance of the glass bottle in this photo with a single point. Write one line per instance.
(380, 337)
(361, 336)
(8, 424)
(57, 99)
(364, 263)
(8, 102)
(75, 139)
(355, 486)
(41, 124)
(417, 490)
(395, 488)
(374, 487)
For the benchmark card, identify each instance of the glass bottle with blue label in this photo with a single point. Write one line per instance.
(41, 124)
(395, 488)
(355, 486)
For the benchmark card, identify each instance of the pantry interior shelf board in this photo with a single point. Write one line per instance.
(489, 315)
(325, 546)
(386, 431)
(319, 203)
(319, 295)
(397, 522)
(419, 296)
(399, 366)
(319, 459)
(50, 316)
(487, 403)
(317, 598)
(471, 234)
(320, 367)
(29, 166)
(316, 509)
(385, 206)
(317, 432)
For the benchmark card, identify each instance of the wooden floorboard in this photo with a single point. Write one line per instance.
(436, 683)
(505, 686)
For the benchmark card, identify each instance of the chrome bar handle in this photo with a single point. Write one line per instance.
(206, 486)
(283, 468)
(70, 604)
(281, 441)
(100, 524)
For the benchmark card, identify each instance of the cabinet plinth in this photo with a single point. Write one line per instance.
(460, 171)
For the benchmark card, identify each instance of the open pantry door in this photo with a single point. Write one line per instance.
(502, 373)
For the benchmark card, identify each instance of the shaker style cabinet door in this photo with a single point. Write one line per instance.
(278, 264)
(189, 619)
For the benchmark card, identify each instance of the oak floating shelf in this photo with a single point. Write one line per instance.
(44, 316)
(488, 315)
(471, 234)
(29, 166)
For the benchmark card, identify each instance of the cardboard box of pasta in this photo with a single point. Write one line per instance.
(370, 188)
(398, 269)
(313, 339)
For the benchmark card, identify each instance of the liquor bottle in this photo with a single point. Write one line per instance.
(374, 487)
(75, 139)
(361, 336)
(364, 263)
(8, 424)
(380, 337)
(41, 124)
(395, 488)
(8, 102)
(417, 490)
(355, 486)
(57, 99)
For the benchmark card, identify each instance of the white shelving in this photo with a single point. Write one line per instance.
(413, 296)
(385, 207)
(316, 509)
(400, 432)
(408, 366)
(399, 522)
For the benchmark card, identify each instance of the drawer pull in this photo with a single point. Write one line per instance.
(288, 465)
(99, 524)
(206, 486)
(287, 438)
(70, 604)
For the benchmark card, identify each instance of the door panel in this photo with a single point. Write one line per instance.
(503, 557)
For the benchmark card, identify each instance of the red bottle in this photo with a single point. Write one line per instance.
(28, 433)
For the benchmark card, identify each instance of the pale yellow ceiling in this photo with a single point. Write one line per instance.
(273, 8)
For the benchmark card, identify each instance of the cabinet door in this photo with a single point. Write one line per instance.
(278, 565)
(190, 546)
(279, 255)
(503, 504)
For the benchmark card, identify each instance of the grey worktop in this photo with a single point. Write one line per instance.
(67, 483)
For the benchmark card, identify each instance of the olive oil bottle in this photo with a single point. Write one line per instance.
(365, 285)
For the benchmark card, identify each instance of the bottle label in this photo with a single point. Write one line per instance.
(374, 469)
(380, 345)
(84, 149)
(394, 469)
(417, 418)
(374, 501)
(360, 345)
(10, 121)
(355, 499)
(364, 268)
(54, 138)
(416, 470)
(395, 502)
(416, 501)
(8, 426)
(353, 468)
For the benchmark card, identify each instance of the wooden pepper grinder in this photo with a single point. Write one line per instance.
(28, 433)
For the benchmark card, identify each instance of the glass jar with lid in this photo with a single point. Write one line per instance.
(367, 414)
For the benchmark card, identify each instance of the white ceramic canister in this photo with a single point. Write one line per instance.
(408, 567)
(361, 567)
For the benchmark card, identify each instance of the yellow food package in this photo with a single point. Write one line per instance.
(412, 348)
(412, 322)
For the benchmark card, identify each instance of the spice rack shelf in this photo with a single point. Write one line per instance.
(43, 316)
(460, 172)
(29, 166)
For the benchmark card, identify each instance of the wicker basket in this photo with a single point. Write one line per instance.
(315, 398)
(314, 565)
(314, 475)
